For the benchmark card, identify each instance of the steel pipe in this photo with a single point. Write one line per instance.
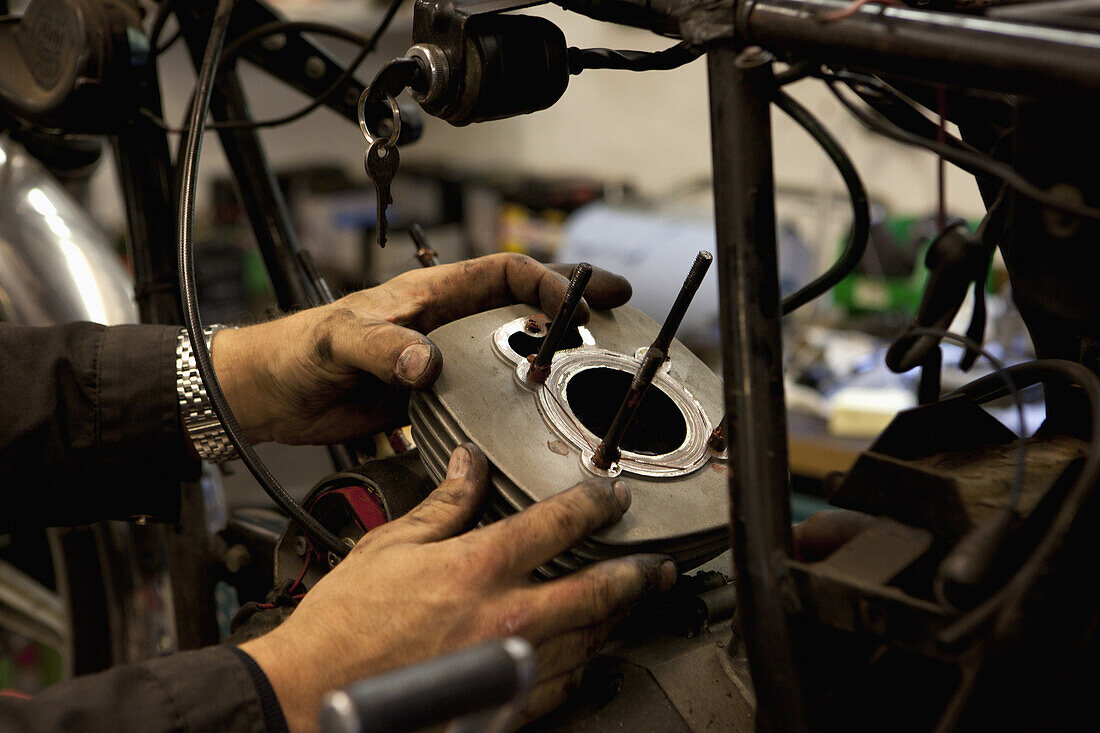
(949, 48)
(749, 309)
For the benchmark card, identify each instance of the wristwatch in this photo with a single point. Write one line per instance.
(202, 425)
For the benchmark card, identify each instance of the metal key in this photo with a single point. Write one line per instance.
(381, 163)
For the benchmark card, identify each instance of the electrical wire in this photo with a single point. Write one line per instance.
(917, 113)
(238, 45)
(188, 176)
(853, 8)
(581, 59)
(1018, 586)
(169, 43)
(369, 45)
(861, 213)
(164, 9)
(963, 158)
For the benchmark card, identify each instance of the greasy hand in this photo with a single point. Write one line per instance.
(417, 588)
(343, 370)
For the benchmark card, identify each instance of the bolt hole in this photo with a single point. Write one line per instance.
(526, 345)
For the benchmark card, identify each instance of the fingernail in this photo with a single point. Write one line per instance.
(460, 463)
(668, 574)
(413, 362)
(622, 494)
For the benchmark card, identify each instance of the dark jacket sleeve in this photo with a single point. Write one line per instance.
(89, 426)
(89, 430)
(212, 689)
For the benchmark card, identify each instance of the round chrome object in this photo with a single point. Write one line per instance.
(438, 71)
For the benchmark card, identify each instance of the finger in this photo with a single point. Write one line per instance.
(550, 694)
(448, 510)
(395, 354)
(461, 289)
(595, 594)
(605, 289)
(554, 525)
(572, 649)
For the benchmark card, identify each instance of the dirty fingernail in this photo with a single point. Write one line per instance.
(668, 574)
(413, 362)
(459, 464)
(622, 494)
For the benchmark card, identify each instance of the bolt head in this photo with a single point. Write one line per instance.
(315, 67)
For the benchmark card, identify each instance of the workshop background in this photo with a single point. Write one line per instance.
(617, 173)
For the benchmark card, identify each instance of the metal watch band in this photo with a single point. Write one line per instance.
(202, 425)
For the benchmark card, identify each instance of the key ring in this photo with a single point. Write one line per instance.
(371, 139)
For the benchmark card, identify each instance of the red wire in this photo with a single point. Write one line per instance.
(305, 567)
(852, 9)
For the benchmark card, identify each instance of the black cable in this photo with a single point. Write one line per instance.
(169, 43)
(581, 59)
(238, 45)
(164, 9)
(861, 213)
(189, 160)
(915, 120)
(963, 158)
(1018, 586)
(234, 49)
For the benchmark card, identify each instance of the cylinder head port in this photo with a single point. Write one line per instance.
(594, 396)
(526, 344)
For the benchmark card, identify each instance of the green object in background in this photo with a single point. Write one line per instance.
(27, 666)
(256, 282)
(865, 292)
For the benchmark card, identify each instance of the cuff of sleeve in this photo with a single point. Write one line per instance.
(143, 450)
(274, 720)
(215, 689)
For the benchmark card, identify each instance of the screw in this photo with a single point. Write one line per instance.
(424, 253)
(607, 452)
(679, 308)
(540, 364)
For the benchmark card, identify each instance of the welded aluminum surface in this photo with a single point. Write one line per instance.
(536, 325)
(478, 391)
(685, 459)
(56, 266)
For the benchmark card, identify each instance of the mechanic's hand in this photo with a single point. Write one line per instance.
(416, 588)
(341, 371)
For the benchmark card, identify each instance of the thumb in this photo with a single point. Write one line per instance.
(395, 354)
